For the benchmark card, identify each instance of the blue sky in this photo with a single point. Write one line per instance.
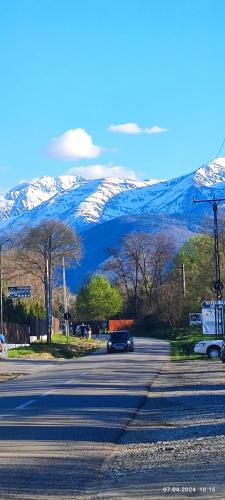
(74, 71)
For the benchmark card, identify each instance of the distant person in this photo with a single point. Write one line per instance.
(97, 331)
(2, 344)
(83, 330)
(104, 326)
(89, 332)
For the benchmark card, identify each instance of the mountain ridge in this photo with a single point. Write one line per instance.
(85, 201)
(94, 207)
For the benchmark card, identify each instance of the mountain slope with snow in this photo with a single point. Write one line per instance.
(28, 195)
(83, 203)
(104, 210)
(80, 205)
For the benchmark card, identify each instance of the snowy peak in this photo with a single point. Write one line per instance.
(211, 173)
(81, 203)
(28, 195)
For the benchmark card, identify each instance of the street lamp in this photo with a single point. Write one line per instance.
(1, 301)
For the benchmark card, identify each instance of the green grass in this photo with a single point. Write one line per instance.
(182, 340)
(59, 348)
(182, 346)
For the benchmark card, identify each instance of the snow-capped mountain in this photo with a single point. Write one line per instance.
(83, 203)
(95, 207)
(211, 174)
(28, 195)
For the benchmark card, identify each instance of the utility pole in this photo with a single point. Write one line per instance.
(1, 286)
(183, 279)
(65, 300)
(48, 284)
(217, 285)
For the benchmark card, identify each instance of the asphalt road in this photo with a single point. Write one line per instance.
(61, 420)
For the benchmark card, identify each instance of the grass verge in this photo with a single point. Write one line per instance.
(183, 342)
(59, 348)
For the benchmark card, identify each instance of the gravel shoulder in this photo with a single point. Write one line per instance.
(175, 447)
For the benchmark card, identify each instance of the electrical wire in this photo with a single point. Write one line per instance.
(221, 147)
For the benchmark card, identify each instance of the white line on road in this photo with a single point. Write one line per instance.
(73, 380)
(70, 381)
(47, 393)
(24, 405)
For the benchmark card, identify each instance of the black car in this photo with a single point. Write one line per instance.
(120, 341)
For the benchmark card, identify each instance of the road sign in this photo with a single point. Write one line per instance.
(19, 292)
(195, 319)
(213, 317)
(212, 304)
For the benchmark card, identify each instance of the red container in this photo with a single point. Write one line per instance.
(120, 324)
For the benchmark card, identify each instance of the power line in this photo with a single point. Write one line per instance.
(220, 149)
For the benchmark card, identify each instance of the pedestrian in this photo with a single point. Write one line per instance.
(97, 331)
(89, 332)
(83, 330)
(2, 344)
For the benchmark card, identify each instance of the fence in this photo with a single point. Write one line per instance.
(16, 334)
(20, 334)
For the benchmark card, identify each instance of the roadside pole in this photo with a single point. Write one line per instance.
(65, 301)
(1, 286)
(217, 286)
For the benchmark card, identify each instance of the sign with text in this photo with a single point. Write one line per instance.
(213, 303)
(19, 292)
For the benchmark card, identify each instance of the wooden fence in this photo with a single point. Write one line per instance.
(20, 334)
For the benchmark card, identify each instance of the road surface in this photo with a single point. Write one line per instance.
(60, 421)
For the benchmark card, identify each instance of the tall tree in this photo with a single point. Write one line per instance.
(98, 300)
(39, 251)
(140, 265)
(197, 254)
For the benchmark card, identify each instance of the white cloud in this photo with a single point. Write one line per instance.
(155, 130)
(134, 128)
(126, 128)
(99, 171)
(73, 145)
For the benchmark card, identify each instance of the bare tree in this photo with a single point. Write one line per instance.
(140, 265)
(170, 304)
(39, 251)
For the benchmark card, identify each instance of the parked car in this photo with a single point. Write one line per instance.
(212, 348)
(81, 330)
(120, 340)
